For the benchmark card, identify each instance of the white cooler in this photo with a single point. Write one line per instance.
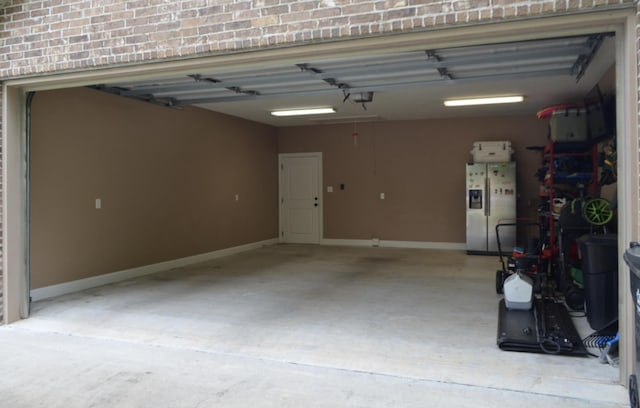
(492, 152)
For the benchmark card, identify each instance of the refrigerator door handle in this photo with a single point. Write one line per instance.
(487, 197)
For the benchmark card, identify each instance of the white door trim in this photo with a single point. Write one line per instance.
(281, 157)
(628, 181)
(14, 212)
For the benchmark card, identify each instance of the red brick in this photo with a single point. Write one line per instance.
(277, 10)
(326, 12)
(136, 39)
(60, 9)
(265, 21)
(246, 14)
(299, 16)
(302, 25)
(450, 18)
(237, 25)
(237, 6)
(193, 22)
(333, 22)
(210, 28)
(365, 18)
(535, 8)
(274, 29)
(431, 9)
(83, 22)
(400, 13)
(187, 14)
(72, 15)
(220, 18)
(79, 55)
(18, 16)
(211, 10)
(361, 8)
(304, 5)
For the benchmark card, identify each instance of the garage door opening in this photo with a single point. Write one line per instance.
(362, 146)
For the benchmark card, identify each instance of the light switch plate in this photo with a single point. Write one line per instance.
(329, 189)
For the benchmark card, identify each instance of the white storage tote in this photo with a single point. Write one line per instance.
(492, 152)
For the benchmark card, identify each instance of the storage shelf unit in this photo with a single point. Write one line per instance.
(584, 157)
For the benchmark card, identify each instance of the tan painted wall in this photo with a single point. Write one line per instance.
(167, 180)
(419, 165)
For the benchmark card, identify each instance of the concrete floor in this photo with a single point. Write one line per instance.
(291, 326)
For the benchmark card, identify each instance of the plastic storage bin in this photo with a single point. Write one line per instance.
(492, 152)
(632, 258)
(599, 256)
(569, 125)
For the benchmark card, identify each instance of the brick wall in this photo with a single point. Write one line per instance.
(44, 36)
(38, 36)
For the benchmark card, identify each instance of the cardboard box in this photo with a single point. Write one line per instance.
(569, 125)
(492, 152)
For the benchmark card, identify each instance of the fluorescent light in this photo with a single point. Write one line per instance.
(304, 111)
(484, 101)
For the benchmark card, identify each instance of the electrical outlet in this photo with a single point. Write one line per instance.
(382, 196)
(237, 197)
(98, 203)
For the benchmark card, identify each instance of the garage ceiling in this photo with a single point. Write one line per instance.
(401, 85)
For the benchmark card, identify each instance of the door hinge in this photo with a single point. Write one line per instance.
(282, 166)
(281, 200)
(282, 234)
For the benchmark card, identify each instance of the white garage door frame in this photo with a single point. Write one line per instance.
(620, 21)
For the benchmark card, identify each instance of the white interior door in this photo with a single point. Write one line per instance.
(300, 198)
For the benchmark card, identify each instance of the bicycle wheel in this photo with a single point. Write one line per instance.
(597, 211)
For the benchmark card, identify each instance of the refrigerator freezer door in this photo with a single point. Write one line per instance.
(501, 196)
(476, 207)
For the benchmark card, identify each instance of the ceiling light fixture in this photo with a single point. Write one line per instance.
(302, 112)
(484, 101)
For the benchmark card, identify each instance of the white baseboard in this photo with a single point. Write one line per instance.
(347, 242)
(449, 246)
(106, 279)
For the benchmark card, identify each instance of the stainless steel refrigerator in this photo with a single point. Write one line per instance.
(490, 199)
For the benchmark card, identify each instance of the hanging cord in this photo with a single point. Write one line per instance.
(548, 343)
(355, 133)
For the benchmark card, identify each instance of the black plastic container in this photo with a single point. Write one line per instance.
(632, 258)
(599, 257)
